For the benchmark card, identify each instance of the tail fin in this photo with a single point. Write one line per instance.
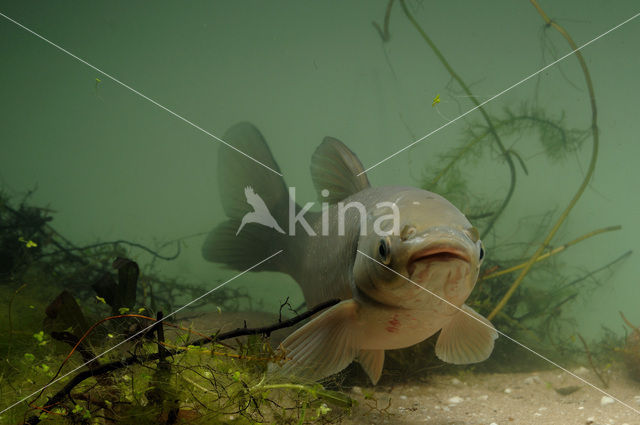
(253, 231)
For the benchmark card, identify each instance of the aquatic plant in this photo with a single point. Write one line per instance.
(164, 373)
(631, 350)
(223, 382)
(169, 374)
(531, 313)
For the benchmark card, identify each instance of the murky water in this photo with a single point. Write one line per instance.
(111, 116)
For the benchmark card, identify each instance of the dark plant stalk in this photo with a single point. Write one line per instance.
(605, 383)
(159, 328)
(485, 115)
(384, 33)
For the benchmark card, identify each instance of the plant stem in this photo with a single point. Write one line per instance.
(554, 251)
(587, 178)
(384, 33)
(605, 383)
(485, 115)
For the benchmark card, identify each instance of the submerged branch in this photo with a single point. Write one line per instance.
(162, 354)
(587, 178)
(115, 245)
(266, 330)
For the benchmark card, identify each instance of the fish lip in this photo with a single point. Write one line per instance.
(451, 251)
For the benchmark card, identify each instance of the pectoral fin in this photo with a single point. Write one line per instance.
(325, 345)
(372, 362)
(466, 339)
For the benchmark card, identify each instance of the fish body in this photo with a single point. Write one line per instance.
(402, 260)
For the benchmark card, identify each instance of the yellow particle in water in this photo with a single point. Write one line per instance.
(28, 243)
(436, 100)
(102, 300)
(95, 89)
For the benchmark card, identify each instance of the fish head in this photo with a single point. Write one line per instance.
(431, 249)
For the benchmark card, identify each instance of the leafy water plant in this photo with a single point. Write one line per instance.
(167, 381)
(162, 374)
(533, 314)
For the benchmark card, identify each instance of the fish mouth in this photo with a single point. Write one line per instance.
(441, 253)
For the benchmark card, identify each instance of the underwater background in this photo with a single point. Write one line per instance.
(112, 165)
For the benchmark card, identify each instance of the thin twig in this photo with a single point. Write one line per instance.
(605, 383)
(115, 244)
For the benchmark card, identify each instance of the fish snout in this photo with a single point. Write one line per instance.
(438, 253)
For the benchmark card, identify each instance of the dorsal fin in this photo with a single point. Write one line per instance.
(335, 168)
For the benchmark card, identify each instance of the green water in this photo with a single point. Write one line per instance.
(113, 165)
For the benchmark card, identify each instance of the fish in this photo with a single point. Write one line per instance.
(401, 260)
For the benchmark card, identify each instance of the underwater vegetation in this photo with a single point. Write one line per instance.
(531, 312)
(63, 304)
(631, 350)
(140, 380)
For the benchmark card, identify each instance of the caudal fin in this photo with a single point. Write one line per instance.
(255, 200)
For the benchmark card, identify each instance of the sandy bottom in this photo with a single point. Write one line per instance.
(470, 399)
(500, 399)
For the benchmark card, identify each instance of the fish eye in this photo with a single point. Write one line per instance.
(384, 250)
